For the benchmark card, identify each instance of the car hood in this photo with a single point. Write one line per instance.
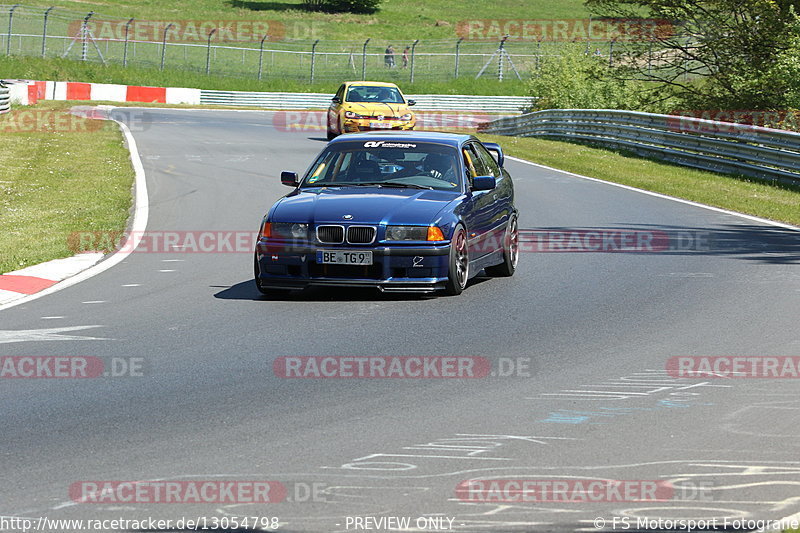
(377, 108)
(366, 205)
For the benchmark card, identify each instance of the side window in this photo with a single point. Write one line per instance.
(469, 165)
(340, 93)
(481, 169)
(330, 168)
(493, 169)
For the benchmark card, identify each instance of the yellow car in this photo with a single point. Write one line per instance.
(369, 105)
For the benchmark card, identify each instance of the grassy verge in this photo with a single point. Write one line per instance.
(68, 70)
(58, 177)
(775, 202)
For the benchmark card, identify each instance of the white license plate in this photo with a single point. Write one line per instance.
(380, 125)
(330, 257)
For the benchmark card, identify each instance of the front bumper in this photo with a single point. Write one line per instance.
(401, 268)
(355, 125)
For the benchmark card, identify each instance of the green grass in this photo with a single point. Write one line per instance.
(54, 183)
(287, 55)
(775, 202)
(68, 70)
(400, 20)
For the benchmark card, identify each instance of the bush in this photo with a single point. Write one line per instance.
(314, 5)
(351, 6)
(577, 80)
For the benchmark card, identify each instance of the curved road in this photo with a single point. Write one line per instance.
(595, 330)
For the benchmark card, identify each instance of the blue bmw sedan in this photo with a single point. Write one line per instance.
(404, 211)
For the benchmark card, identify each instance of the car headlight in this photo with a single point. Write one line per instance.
(407, 116)
(350, 114)
(284, 230)
(414, 233)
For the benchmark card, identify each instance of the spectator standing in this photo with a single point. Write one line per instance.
(388, 56)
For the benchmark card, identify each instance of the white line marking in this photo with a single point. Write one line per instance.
(132, 285)
(95, 302)
(48, 334)
(51, 317)
(664, 196)
(167, 271)
(172, 260)
(63, 505)
(140, 215)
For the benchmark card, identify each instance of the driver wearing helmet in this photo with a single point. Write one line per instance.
(440, 166)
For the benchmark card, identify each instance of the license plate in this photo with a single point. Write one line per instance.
(380, 125)
(325, 257)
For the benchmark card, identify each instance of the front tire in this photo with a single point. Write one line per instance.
(458, 273)
(510, 252)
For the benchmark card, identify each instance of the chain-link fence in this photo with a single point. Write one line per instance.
(261, 49)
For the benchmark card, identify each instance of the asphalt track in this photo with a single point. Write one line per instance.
(596, 329)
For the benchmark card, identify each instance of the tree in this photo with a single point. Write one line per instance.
(720, 53)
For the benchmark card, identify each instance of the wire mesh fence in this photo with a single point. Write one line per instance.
(261, 49)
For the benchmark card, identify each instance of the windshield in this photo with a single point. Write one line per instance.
(365, 94)
(386, 163)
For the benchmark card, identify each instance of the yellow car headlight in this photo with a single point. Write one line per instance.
(351, 114)
(407, 116)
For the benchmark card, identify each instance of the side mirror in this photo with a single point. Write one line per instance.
(412, 102)
(336, 100)
(289, 178)
(483, 183)
(494, 147)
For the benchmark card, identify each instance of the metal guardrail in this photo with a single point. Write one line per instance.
(425, 102)
(5, 99)
(706, 144)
